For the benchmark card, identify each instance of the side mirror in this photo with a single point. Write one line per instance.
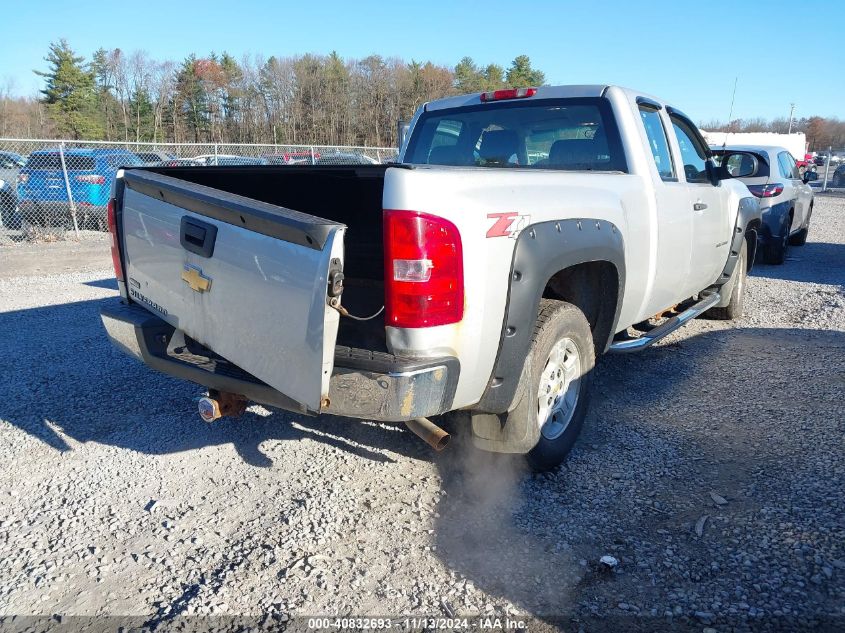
(809, 176)
(738, 165)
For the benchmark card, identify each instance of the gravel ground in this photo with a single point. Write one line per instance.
(711, 468)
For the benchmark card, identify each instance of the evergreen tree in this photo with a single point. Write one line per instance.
(522, 75)
(468, 78)
(232, 93)
(69, 95)
(192, 100)
(494, 77)
(142, 113)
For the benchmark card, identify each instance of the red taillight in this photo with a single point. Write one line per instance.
(510, 93)
(23, 178)
(115, 247)
(91, 179)
(423, 269)
(766, 191)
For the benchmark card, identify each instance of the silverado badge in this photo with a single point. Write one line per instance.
(192, 275)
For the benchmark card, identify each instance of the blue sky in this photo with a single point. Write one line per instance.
(686, 52)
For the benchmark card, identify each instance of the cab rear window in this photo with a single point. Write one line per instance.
(565, 134)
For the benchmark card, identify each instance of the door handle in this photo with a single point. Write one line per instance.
(699, 206)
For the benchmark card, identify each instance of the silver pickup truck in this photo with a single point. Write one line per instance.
(520, 235)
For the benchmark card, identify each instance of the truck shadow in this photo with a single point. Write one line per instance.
(666, 427)
(63, 383)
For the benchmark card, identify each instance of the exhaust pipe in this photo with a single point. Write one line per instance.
(219, 403)
(429, 433)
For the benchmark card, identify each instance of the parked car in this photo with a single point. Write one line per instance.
(43, 191)
(487, 281)
(786, 200)
(155, 157)
(10, 165)
(804, 163)
(838, 177)
(182, 162)
(13, 157)
(345, 158)
(820, 159)
(292, 158)
(229, 159)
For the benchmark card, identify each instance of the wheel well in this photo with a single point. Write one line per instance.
(594, 288)
(751, 233)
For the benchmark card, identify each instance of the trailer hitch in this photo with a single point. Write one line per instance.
(220, 403)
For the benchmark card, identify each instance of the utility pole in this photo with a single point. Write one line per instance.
(791, 112)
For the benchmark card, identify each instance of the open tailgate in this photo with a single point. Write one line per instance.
(245, 278)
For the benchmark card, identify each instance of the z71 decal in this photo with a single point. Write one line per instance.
(507, 224)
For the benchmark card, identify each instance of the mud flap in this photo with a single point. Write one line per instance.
(513, 432)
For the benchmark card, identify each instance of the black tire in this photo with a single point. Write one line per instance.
(10, 219)
(28, 219)
(800, 238)
(557, 323)
(774, 252)
(736, 304)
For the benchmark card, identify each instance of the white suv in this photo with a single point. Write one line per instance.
(786, 199)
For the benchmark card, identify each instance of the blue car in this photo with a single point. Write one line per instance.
(43, 190)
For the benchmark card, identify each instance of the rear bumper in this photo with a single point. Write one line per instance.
(364, 384)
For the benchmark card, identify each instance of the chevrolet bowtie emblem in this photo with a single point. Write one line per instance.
(195, 279)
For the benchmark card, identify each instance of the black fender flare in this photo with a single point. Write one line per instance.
(748, 224)
(542, 250)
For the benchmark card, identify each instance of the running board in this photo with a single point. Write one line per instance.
(648, 339)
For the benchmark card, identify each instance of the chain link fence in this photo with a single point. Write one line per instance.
(829, 166)
(58, 189)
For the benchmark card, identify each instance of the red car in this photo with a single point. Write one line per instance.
(802, 164)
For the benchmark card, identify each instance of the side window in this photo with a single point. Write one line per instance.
(693, 153)
(658, 143)
(787, 165)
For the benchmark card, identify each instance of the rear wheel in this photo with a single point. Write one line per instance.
(800, 238)
(562, 358)
(8, 216)
(736, 287)
(774, 252)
